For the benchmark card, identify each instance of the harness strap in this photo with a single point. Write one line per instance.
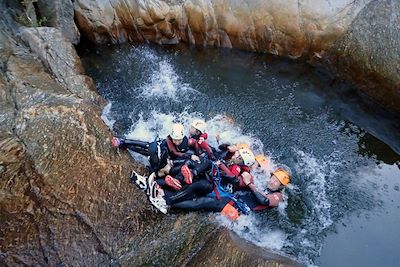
(218, 190)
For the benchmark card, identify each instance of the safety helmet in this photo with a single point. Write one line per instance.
(199, 125)
(247, 156)
(242, 146)
(263, 161)
(282, 175)
(177, 131)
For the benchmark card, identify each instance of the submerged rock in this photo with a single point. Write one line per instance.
(241, 253)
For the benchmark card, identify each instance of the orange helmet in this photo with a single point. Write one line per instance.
(282, 175)
(263, 161)
(242, 146)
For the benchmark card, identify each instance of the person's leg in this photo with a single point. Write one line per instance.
(140, 147)
(127, 143)
(198, 188)
(197, 168)
(202, 203)
(142, 151)
(201, 167)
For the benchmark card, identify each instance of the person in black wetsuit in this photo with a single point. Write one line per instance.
(200, 185)
(178, 144)
(156, 151)
(254, 198)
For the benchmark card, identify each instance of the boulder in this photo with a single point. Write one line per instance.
(290, 28)
(60, 57)
(369, 52)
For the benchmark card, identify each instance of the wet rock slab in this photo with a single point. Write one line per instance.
(65, 196)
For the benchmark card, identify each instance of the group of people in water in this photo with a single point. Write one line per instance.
(189, 174)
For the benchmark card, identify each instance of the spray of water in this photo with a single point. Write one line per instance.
(276, 232)
(164, 82)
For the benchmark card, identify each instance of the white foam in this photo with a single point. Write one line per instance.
(144, 54)
(315, 172)
(165, 82)
(247, 227)
(106, 116)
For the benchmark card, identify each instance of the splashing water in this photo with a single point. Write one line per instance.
(107, 117)
(164, 82)
(277, 109)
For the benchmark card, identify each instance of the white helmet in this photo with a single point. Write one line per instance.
(177, 131)
(247, 156)
(199, 125)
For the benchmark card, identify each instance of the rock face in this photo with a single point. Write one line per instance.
(242, 253)
(62, 195)
(289, 28)
(65, 196)
(369, 52)
(341, 35)
(60, 15)
(60, 57)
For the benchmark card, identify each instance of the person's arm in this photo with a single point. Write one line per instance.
(227, 175)
(207, 148)
(242, 175)
(262, 198)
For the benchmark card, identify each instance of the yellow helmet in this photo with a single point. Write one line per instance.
(283, 176)
(262, 161)
(242, 146)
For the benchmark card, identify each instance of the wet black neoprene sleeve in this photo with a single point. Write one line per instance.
(261, 198)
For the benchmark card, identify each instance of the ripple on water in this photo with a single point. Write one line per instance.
(281, 108)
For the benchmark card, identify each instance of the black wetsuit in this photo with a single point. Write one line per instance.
(202, 184)
(206, 203)
(141, 147)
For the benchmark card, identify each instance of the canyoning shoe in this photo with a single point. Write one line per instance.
(150, 181)
(115, 142)
(187, 174)
(156, 198)
(139, 180)
(172, 182)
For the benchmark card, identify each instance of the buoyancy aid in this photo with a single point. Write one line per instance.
(176, 152)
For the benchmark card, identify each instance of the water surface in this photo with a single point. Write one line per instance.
(343, 149)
